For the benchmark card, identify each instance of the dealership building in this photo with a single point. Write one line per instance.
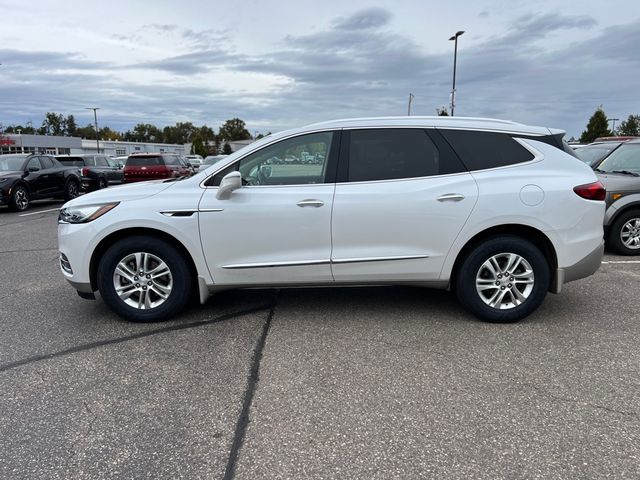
(52, 145)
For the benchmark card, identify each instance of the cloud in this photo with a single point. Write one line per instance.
(370, 18)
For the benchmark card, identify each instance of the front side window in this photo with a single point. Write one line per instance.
(34, 163)
(299, 160)
(395, 153)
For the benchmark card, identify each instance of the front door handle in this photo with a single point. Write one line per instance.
(452, 197)
(310, 203)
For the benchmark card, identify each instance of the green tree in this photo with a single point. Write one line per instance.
(88, 132)
(234, 129)
(144, 132)
(598, 126)
(227, 149)
(53, 124)
(180, 134)
(107, 134)
(197, 147)
(70, 127)
(630, 126)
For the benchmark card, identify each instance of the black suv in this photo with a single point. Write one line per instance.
(98, 171)
(25, 177)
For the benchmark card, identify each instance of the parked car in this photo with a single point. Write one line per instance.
(499, 212)
(27, 177)
(154, 166)
(98, 171)
(620, 174)
(194, 160)
(594, 153)
(211, 159)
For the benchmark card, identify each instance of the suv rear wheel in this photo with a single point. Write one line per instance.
(624, 235)
(503, 279)
(144, 279)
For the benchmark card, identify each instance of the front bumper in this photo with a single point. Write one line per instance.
(585, 267)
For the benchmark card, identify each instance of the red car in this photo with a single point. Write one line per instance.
(155, 166)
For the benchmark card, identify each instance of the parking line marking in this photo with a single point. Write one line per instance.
(35, 213)
(623, 261)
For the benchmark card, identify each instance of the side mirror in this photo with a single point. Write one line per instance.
(230, 182)
(33, 169)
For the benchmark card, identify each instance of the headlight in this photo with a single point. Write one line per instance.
(3, 180)
(84, 214)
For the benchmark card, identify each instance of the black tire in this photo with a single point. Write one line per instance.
(20, 199)
(180, 272)
(102, 183)
(614, 239)
(71, 190)
(470, 269)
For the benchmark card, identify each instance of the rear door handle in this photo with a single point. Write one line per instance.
(450, 197)
(310, 203)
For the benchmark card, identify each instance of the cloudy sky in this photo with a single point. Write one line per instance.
(286, 63)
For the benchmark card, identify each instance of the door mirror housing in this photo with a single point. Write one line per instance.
(230, 182)
(33, 169)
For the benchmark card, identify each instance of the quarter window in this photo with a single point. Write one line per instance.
(481, 150)
(46, 162)
(394, 153)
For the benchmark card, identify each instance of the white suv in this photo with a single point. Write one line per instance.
(497, 211)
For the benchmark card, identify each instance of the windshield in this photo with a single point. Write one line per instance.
(592, 155)
(10, 163)
(625, 158)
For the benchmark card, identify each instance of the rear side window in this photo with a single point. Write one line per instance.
(171, 160)
(71, 161)
(481, 150)
(46, 162)
(101, 162)
(140, 161)
(394, 153)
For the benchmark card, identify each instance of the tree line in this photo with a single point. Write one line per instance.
(204, 140)
(598, 126)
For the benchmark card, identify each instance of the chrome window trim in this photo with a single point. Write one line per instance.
(378, 259)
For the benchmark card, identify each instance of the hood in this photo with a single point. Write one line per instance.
(619, 182)
(11, 173)
(122, 193)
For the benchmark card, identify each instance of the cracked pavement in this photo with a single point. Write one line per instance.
(312, 383)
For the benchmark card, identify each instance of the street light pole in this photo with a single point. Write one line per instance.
(95, 119)
(411, 95)
(455, 60)
(19, 130)
(613, 127)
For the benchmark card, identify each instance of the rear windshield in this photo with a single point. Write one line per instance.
(139, 161)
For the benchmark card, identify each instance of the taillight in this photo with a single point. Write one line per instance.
(85, 171)
(591, 191)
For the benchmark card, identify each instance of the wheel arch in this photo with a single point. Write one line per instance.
(621, 210)
(113, 237)
(535, 236)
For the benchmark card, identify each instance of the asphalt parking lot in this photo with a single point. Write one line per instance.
(312, 383)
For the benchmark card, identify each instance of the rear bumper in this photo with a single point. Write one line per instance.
(581, 269)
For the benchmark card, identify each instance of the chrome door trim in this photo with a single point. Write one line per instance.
(178, 213)
(276, 264)
(378, 259)
(208, 210)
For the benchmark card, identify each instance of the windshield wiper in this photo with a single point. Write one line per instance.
(598, 170)
(626, 172)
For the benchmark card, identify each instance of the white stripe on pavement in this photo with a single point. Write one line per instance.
(622, 261)
(35, 213)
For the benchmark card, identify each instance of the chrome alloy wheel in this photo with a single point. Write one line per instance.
(21, 198)
(72, 190)
(505, 281)
(142, 280)
(630, 234)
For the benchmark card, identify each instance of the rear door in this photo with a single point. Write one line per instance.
(401, 199)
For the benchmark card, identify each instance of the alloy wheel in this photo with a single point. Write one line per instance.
(630, 234)
(72, 190)
(505, 281)
(21, 198)
(142, 280)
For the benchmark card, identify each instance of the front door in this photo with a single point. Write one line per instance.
(276, 229)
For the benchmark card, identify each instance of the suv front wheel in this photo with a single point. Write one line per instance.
(503, 279)
(144, 279)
